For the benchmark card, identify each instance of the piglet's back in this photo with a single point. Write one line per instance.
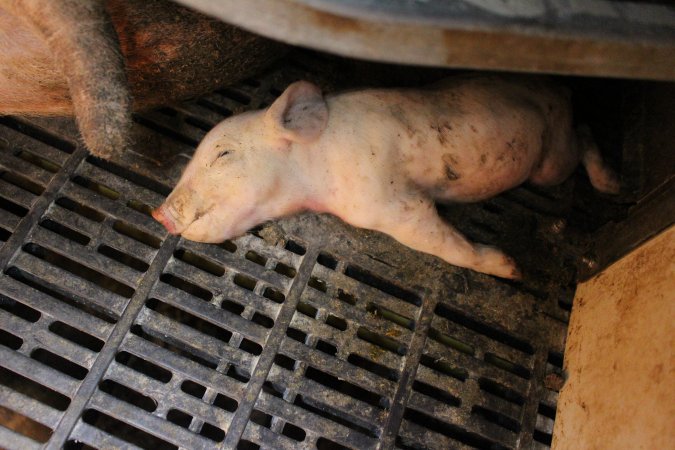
(446, 138)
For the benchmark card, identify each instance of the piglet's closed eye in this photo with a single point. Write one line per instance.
(299, 115)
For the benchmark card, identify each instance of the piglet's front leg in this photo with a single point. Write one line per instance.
(416, 224)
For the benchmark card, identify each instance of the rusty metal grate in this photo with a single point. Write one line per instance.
(301, 334)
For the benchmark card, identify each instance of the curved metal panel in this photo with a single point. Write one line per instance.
(596, 38)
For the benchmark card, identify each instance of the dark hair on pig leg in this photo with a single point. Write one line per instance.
(81, 37)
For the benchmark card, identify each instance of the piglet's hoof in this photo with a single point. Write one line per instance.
(494, 262)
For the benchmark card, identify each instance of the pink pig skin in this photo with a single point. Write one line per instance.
(378, 159)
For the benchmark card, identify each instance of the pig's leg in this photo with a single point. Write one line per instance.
(602, 177)
(84, 46)
(417, 225)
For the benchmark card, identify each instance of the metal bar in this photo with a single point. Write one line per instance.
(12, 440)
(89, 384)
(40, 373)
(274, 340)
(144, 421)
(398, 404)
(618, 39)
(181, 367)
(533, 397)
(99, 439)
(614, 240)
(28, 407)
(57, 310)
(72, 285)
(17, 238)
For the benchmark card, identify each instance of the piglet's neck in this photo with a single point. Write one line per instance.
(309, 176)
(314, 170)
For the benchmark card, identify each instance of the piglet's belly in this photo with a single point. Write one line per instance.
(474, 191)
(480, 185)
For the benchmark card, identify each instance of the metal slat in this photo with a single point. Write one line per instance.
(347, 341)
(28, 407)
(72, 220)
(209, 313)
(202, 344)
(84, 256)
(38, 372)
(98, 439)
(146, 422)
(8, 220)
(357, 410)
(113, 208)
(125, 188)
(492, 431)
(53, 308)
(71, 285)
(15, 441)
(500, 406)
(26, 142)
(222, 102)
(266, 438)
(356, 314)
(242, 266)
(16, 194)
(544, 424)
(38, 337)
(167, 398)
(99, 232)
(426, 438)
(192, 108)
(183, 367)
(264, 248)
(21, 167)
(476, 368)
(338, 368)
(176, 124)
(365, 293)
(332, 430)
(224, 285)
(481, 343)
(125, 245)
(437, 409)
(440, 381)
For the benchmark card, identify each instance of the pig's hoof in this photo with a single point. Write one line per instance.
(495, 262)
(516, 274)
(606, 181)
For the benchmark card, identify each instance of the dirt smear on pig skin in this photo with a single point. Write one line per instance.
(448, 162)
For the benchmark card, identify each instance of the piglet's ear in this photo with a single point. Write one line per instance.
(300, 114)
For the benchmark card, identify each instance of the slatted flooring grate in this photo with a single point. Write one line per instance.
(300, 334)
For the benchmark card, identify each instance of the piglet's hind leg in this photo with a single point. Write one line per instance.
(421, 228)
(602, 177)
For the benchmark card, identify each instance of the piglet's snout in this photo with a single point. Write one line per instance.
(164, 217)
(180, 210)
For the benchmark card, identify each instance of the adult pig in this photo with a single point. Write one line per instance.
(379, 159)
(100, 59)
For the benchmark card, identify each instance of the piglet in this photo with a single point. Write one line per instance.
(379, 159)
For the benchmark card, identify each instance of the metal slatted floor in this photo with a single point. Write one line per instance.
(304, 333)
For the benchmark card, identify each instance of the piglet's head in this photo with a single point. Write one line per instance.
(234, 179)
